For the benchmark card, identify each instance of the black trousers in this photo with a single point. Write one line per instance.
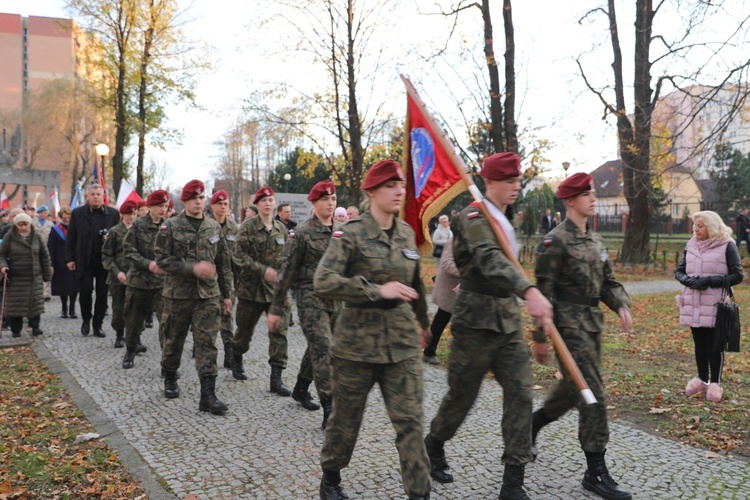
(439, 322)
(16, 323)
(705, 357)
(94, 280)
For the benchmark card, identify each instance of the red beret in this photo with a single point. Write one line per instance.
(171, 203)
(141, 204)
(219, 196)
(128, 207)
(501, 166)
(157, 197)
(575, 185)
(381, 172)
(192, 188)
(321, 189)
(262, 193)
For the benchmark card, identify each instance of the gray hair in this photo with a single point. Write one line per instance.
(94, 185)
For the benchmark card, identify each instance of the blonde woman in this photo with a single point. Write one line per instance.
(710, 260)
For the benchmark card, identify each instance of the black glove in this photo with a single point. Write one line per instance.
(689, 281)
(701, 283)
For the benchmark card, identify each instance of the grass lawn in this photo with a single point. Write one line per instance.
(38, 425)
(646, 372)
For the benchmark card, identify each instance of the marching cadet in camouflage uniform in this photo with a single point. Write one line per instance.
(257, 258)
(145, 278)
(573, 270)
(487, 331)
(190, 249)
(114, 261)
(229, 229)
(372, 264)
(302, 252)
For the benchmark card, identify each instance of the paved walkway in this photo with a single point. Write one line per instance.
(267, 446)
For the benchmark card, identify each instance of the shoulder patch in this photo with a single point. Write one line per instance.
(291, 234)
(473, 215)
(547, 242)
(163, 227)
(338, 233)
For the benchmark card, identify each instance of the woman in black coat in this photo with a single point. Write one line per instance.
(64, 281)
(24, 259)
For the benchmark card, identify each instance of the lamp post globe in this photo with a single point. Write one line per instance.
(566, 166)
(287, 178)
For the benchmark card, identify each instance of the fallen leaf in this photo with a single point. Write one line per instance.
(5, 486)
(711, 454)
(659, 410)
(537, 387)
(558, 375)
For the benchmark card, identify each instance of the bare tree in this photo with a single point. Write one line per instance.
(678, 63)
(233, 162)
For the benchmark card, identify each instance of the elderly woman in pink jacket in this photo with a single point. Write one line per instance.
(710, 261)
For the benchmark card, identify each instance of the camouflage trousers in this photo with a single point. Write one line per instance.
(138, 303)
(402, 387)
(178, 316)
(248, 314)
(118, 307)
(316, 363)
(593, 430)
(473, 353)
(227, 325)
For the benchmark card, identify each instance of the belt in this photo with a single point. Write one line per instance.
(378, 304)
(484, 289)
(578, 299)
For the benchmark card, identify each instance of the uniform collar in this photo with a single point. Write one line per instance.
(373, 231)
(572, 228)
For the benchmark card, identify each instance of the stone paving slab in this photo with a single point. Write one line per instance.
(267, 446)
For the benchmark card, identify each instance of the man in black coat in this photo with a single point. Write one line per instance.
(88, 228)
(743, 230)
(548, 222)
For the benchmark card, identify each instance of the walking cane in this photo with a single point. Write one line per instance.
(2, 308)
(549, 327)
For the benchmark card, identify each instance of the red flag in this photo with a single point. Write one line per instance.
(4, 202)
(432, 173)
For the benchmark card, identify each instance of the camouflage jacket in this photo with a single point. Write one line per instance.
(179, 247)
(139, 249)
(490, 282)
(113, 254)
(302, 252)
(229, 232)
(360, 258)
(257, 249)
(575, 266)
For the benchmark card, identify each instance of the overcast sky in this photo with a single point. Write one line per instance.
(551, 94)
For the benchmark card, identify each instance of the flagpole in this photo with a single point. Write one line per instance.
(562, 350)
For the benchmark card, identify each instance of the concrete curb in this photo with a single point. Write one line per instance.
(129, 457)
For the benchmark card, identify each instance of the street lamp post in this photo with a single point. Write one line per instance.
(102, 150)
(287, 178)
(566, 166)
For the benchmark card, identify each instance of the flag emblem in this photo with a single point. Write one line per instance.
(422, 158)
(337, 234)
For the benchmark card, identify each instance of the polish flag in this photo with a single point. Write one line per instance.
(4, 202)
(55, 202)
(127, 193)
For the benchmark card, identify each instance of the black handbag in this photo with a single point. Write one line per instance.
(727, 328)
(437, 251)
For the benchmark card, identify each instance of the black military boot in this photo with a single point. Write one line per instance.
(439, 468)
(277, 385)
(171, 389)
(129, 360)
(302, 395)
(598, 480)
(228, 355)
(327, 404)
(209, 402)
(149, 320)
(538, 421)
(238, 372)
(513, 483)
(140, 348)
(330, 486)
(119, 339)
(164, 371)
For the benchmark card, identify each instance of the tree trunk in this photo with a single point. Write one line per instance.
(120, 125)
(511, 129)
(496, 109)
(355, 126)
(148, 37)
(634, 138)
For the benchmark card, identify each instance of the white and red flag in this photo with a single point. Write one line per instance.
(127, 193)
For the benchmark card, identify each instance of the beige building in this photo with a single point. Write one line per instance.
(41, 63)
(682, 190)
